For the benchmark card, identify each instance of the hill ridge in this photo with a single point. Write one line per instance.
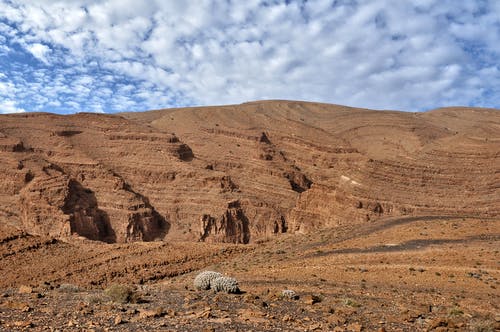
(320, 165)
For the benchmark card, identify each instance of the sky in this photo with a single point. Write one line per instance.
(130, 55)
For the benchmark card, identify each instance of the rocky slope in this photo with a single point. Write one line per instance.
(243, 173)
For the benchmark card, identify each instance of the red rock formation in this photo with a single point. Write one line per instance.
(55, 204)
(292, 166)
(41, 205)
(232, 226)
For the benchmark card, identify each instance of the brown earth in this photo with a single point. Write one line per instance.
(385, 220)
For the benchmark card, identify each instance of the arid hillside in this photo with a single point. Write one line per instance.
(243, 173)
(373, 220)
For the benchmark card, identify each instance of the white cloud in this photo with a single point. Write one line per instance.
(39, 51)
(9, 106)
(130, 55)
(6, 88)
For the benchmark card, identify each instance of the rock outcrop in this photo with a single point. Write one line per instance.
(232, 226)
(58, 205)
(41, 205)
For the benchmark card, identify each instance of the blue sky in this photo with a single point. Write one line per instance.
(127, 55)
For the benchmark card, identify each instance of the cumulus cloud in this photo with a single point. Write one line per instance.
(125, 55)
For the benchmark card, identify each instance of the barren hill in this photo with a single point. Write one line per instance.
(243, 173)
(379, 220)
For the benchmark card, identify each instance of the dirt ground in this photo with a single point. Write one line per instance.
(400, 274)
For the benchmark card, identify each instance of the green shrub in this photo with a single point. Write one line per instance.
(121, 294)
(351, 303)
(456, 311)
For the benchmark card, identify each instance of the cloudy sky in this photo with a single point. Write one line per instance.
(130, 55)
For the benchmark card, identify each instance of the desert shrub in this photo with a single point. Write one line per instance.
(483, 326)
(289, 294)
(121, 294)
(351, 303)
(203, 281)
(456, 311)
(225, 284)
(69, 288)
(94, 299)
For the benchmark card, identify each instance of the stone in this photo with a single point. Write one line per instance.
(171, 313)
(23, 306)
(209, 329)
(206, 313)
(355, 327)
(25, 289)
(315, 327)
(312, 299)
(118, 320)
(336, 319)
(37, 295)
(438, 322)
(151, 313)
(24, 324)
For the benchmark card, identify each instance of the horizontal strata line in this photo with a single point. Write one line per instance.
(13, 237)
(31, 247)
(135, 261)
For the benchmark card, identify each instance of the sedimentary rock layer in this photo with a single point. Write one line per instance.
(243, 173)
